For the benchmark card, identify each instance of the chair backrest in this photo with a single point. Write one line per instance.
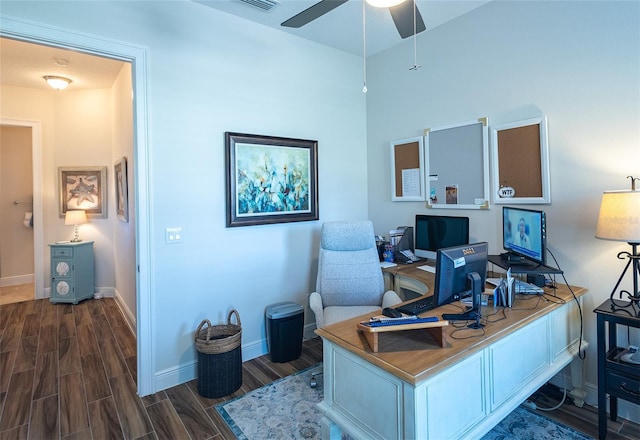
(349, 266)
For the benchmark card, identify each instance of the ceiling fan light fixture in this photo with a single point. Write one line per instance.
(384, 3)
(57, 82)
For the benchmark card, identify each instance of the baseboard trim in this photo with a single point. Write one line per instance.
(18, 279)
(126, 311)
(309, 331)
(189, 371)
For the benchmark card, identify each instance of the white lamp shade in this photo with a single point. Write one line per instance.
(619, 218)
(75, 217)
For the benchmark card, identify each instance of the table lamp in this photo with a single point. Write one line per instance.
(619, 220)
(75, 218)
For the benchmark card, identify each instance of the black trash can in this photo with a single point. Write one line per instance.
(285, 322)
(219, 357)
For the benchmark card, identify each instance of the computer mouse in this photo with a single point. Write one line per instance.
(391, 313)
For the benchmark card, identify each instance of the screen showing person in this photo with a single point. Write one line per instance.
(524, 233)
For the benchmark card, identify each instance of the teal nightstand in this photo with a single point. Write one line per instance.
(72, 272)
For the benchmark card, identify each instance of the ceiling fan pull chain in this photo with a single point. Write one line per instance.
(364, 48)
(415, 41)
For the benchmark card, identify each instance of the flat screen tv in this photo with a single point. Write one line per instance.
(435, 232)
(524, 233)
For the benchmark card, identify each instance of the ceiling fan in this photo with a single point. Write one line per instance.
(402, 15)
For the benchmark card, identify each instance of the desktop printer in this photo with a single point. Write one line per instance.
(402, 240)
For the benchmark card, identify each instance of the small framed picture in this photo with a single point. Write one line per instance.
(122, 189)
(83, 188)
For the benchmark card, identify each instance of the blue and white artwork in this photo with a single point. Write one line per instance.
(272, 180)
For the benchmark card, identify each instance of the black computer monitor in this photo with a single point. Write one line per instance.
(524, 233)
(435, 232)
(461, 272)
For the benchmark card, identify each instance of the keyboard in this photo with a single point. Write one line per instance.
(418, 306)
(400, 321)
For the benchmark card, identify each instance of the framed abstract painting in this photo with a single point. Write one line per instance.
(270, 179)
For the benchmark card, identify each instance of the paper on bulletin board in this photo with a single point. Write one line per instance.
(411, 182)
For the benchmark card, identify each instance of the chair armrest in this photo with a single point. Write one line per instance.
(390, 298)
(315, 304)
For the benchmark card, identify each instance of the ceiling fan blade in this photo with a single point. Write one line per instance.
(311, 13)
(402, 15)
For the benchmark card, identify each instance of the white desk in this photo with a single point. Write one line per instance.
(412, 389)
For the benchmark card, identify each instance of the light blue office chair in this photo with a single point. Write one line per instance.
(350, 281)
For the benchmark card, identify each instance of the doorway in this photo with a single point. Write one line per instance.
(22, 244)
(37, 34)
(16, 226)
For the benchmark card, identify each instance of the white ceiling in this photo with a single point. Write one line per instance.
(24, 64)
(341, 28)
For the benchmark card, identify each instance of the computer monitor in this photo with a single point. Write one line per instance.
(524, 233)
(461, 271)
(455, 267)
(435, 232)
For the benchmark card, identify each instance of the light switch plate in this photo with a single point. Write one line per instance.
(173, 235)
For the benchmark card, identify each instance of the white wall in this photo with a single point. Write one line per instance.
(210, 73)
(82, 126)
(124, 239)
(578, 63)
(76, 132)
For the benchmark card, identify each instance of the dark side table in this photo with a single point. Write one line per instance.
(616, 378)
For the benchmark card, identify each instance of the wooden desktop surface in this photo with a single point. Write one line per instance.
(412, 271)
(413, 356)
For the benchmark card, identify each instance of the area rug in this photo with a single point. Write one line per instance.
(287, 409)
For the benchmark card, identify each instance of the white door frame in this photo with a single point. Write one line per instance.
(137, 56)
(38, 227)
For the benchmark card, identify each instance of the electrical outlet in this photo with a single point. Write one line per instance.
(173, 235)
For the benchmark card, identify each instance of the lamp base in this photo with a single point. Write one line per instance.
(633, 297)
(76, 236)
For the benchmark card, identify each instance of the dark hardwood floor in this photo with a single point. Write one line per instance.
(69, 372)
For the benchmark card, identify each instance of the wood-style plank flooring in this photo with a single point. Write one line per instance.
(69, 372)
(17, 293)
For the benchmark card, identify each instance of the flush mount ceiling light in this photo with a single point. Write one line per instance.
(384, 3)
(57, 82)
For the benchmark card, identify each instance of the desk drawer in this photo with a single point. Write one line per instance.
(62, 252)
(623, 386)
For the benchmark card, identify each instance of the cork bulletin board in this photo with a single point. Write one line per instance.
(457, 158)
(521, 162)
(407, 170)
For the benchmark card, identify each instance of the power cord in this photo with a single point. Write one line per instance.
(532, 405)
(581, 354)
